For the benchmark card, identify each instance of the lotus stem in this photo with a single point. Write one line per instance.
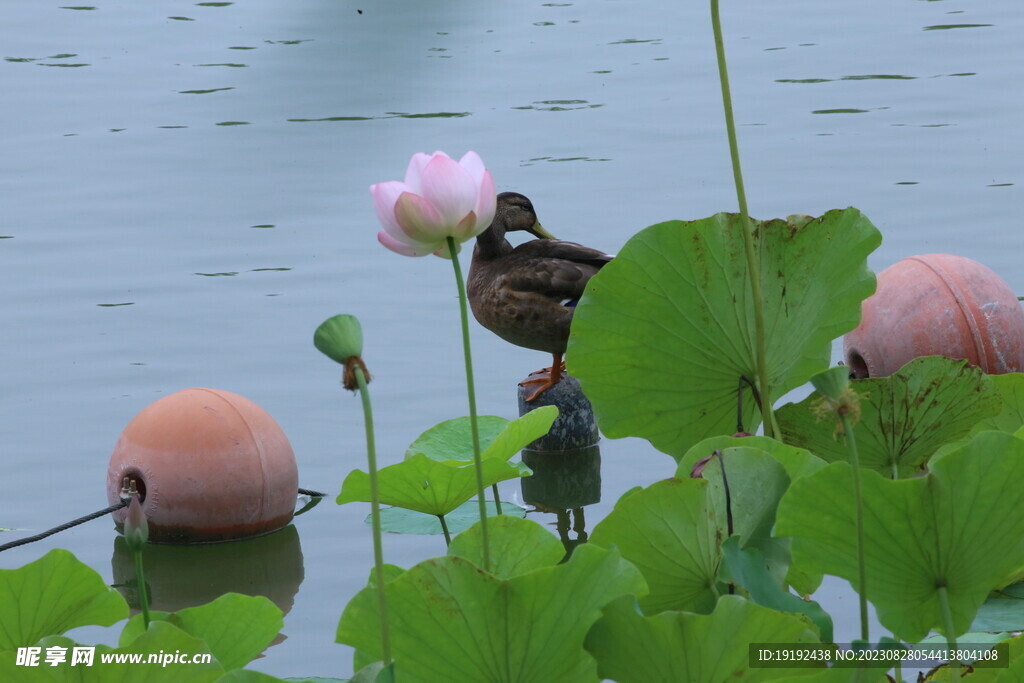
(862, 579)
(753, 265)
(471, 393)
(140, 578)
(444, 528)
(497, 499)
(378, 548)
(728, 495)
(728, 505)
(947, 626)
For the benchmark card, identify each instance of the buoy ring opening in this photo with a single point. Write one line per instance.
(858, 366)
(134, 475)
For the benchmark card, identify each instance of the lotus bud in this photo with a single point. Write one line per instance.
(136, 526)
(341, 339)
(837, 397)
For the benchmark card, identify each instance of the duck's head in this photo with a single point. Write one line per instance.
(516, 212)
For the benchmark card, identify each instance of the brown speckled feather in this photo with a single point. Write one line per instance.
(527, 295)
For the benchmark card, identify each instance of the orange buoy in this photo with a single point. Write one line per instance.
(937, 305)
(210, 465)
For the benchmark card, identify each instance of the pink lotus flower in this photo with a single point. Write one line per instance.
(440, 198)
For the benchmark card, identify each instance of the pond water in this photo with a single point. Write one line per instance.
(185, 199)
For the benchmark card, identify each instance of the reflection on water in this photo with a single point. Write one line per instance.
(180, 576)
(563, 483)
(562, 480)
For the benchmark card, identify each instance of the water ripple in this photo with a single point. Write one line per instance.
(633, 41)
(530, 162)
(840, 111)
(560, 105)
(203, 92)
(946, 27)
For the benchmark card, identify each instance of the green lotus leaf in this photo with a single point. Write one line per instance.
(905, 418)
(339, 338)
(360, 622)
(455, 623)
(397, 520)
(1013, 673)
(452, 439)
(836, 675)
(664, 335)
(756, 484)
(748, 568)
(499, 438)
(798, 462)
(161, 640)
(759, 470)
(680, 646)
(1002, 611)
(426, 485)
(216, 623)
(978, 642)
(671, 532)
(373, 673)
(517, 546)
(959, 528)
(52, 595)
(1010, 419)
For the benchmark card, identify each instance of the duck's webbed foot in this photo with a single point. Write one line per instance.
(545, 379)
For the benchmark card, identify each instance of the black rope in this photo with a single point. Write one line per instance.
(62, 527)
(100, 513)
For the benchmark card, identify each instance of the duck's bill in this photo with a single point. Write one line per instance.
(539, 231)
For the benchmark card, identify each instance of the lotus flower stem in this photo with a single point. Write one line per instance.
(497, 499)
(444, 528)
(862, 580)
(947, 626)
(753, 266)
(140, 577)
(471, 393)
(378, 549)
(136, 534)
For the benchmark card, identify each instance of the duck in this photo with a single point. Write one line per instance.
(527, 294)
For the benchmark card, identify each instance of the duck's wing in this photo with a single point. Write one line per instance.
(555, 269)
(570, 251)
